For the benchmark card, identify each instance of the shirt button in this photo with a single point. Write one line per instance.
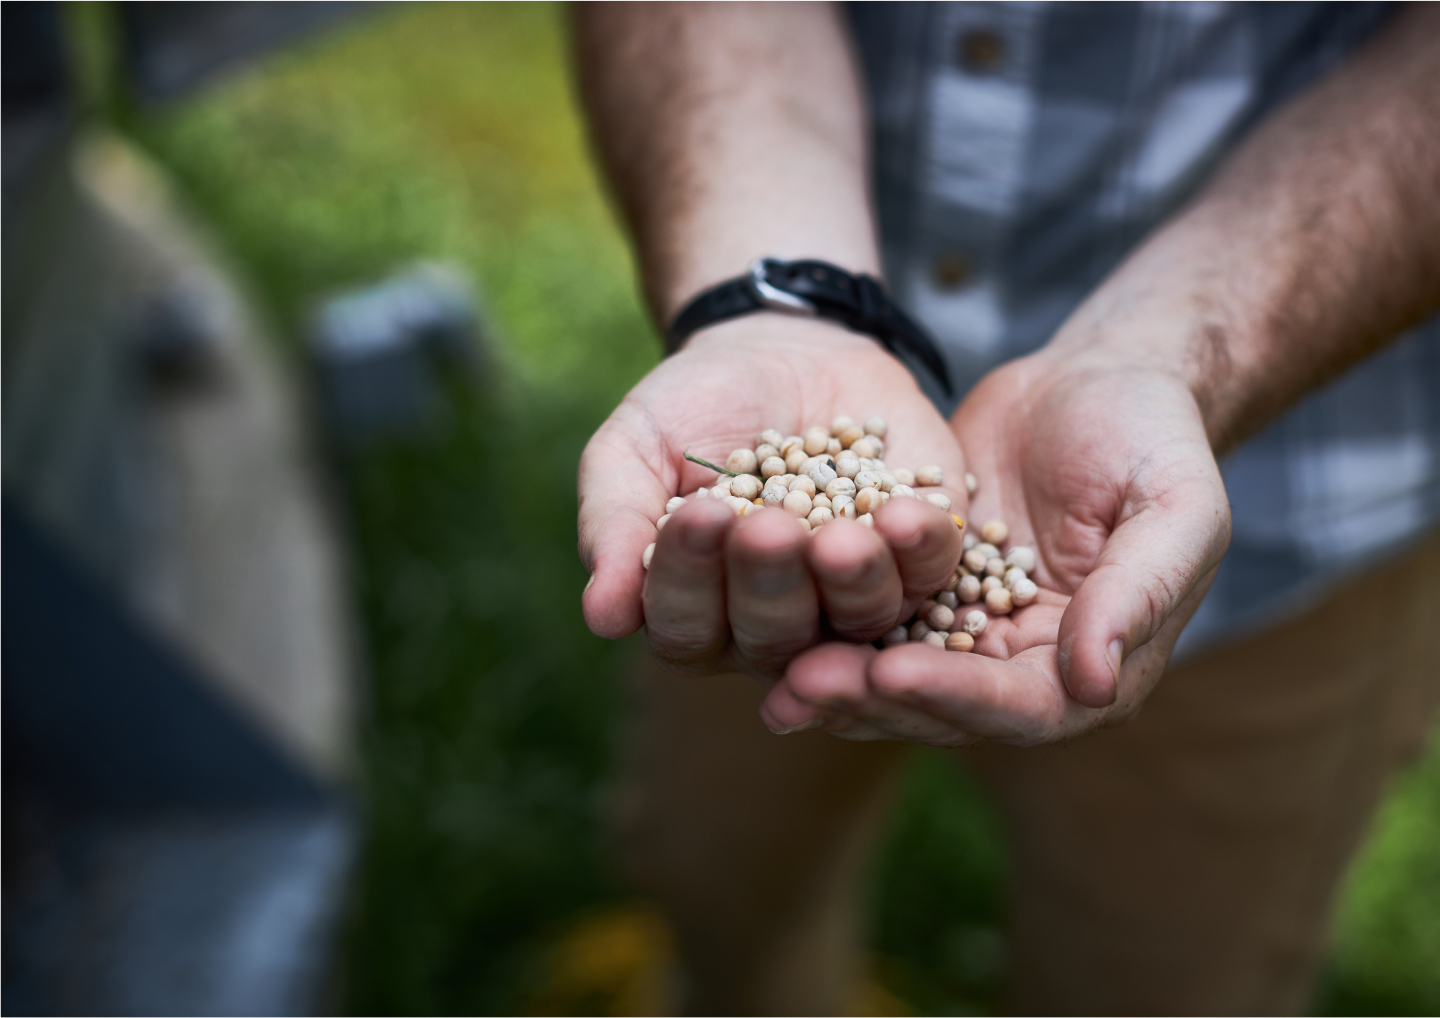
(951, 270)
(980, 51)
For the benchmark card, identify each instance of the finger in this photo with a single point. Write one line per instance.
(1149, 567)
(832, 677)
(924, 541)
(771, 598)
(620, 500)
(859, 584)
(684, 595)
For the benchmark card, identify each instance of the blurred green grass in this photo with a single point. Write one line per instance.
(448, 131)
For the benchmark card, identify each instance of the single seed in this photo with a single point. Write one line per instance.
(840, 486)
(742, 461)
(847, 466)
(990, 583)
(765, 450)
(1024, 592)
(660, 523)
(948, 597)
(950, 585)
(877, 465)
(1014, 575)
(850, 436)
(938, 498)
(886, 496)
(971, 484)
(901, 491)
(988, 550)
(822, 473)
(866, 448)
(1021, 557)
(844, 507)
(968, 589)
(925, 607)
(819, 516)
(773, 495)
(995, 532)
(648, 555)
(941, 617)
(936, 639)
(970, 540)
(821, 499)
(929, 476)
(804, 523)
(798, 504)
(840, 425)
(974, 560)
(998, 601)
(867, 520)
(833, 447)
(869, 464)
(876, 426)
(803, 483)
(791, 442)
(867, 500)
(720, 491)
(995, 566)
(896, 636)
(795, 459)
(673, 506)
(961, 641)
(739, 506)
(867, 479)
(746, 486)
(816, 441)
(974, 622)
(904, 476)
(772, 466)
(918, 629)
(769, 437)
(887, 480)
(702, 493)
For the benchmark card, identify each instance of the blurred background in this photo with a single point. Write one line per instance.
(309, 312)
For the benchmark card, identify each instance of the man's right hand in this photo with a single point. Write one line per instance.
(728, 594)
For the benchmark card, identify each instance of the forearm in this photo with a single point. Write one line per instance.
(1317, 241)
(729, 131)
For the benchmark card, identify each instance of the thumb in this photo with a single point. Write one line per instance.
(620, 498)
(1148, 568)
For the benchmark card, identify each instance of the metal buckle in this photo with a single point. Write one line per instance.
(774, 298)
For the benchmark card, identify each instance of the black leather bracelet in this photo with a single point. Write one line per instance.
(813, 289)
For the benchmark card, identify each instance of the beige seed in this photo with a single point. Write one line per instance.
(974, 622)
(742, 461)
(918, 629)
(1021, 557)
(816, 441)
(803, 483)
(948, 597)
(1024, 592)
(720, 491)
(795, 460)
(773, 495)
(840, 486)
(660, 523)
(877, 465)
(841, 424)
(867, 500)
(772, 466)
(938, 498)
(999, 601)
(769, 437)
(702, 493)
(950, 585)
(847, 466)
(887, 480)
(941, 617)
(867, 479)
(866, 448)
(904, 476)
(765, 450)
(739, 506)
(804, 523)
(833, 447)
(925, 607)
(901, 491)
(819, 516)
(797, 504)
(988, 550)
(791, 442)
(648, 555)
(876, 426)
(866, 520)
(822, 473)
(869, 464)
(990, 583)
(995, 567)
(886, 496)
(961, 641)
(896, 636)
(971, 484)
(845, 507)
(746, 486)
(968, 589)
(929, 476)
(675, 504)
(936, 639)
(1013, 575)
(974, 560)
(821, 499)
(850, 436)
(994, 532)
(970, 541)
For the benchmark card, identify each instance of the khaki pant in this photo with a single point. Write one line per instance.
(1183, 863)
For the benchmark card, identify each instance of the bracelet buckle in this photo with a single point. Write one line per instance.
(773, 297)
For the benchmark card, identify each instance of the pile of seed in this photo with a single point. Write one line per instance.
(840, 471)
(1000, 579)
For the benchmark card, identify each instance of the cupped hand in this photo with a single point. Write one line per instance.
(724, 593)
(1105, 470)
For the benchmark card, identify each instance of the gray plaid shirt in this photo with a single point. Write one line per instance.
(1023, 148)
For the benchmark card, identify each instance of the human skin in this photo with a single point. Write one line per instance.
(1313, 244)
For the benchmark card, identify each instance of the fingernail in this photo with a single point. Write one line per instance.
(590, 582)
(1115, 653)
(814, 722)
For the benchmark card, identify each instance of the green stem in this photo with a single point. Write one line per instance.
(707, 463)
